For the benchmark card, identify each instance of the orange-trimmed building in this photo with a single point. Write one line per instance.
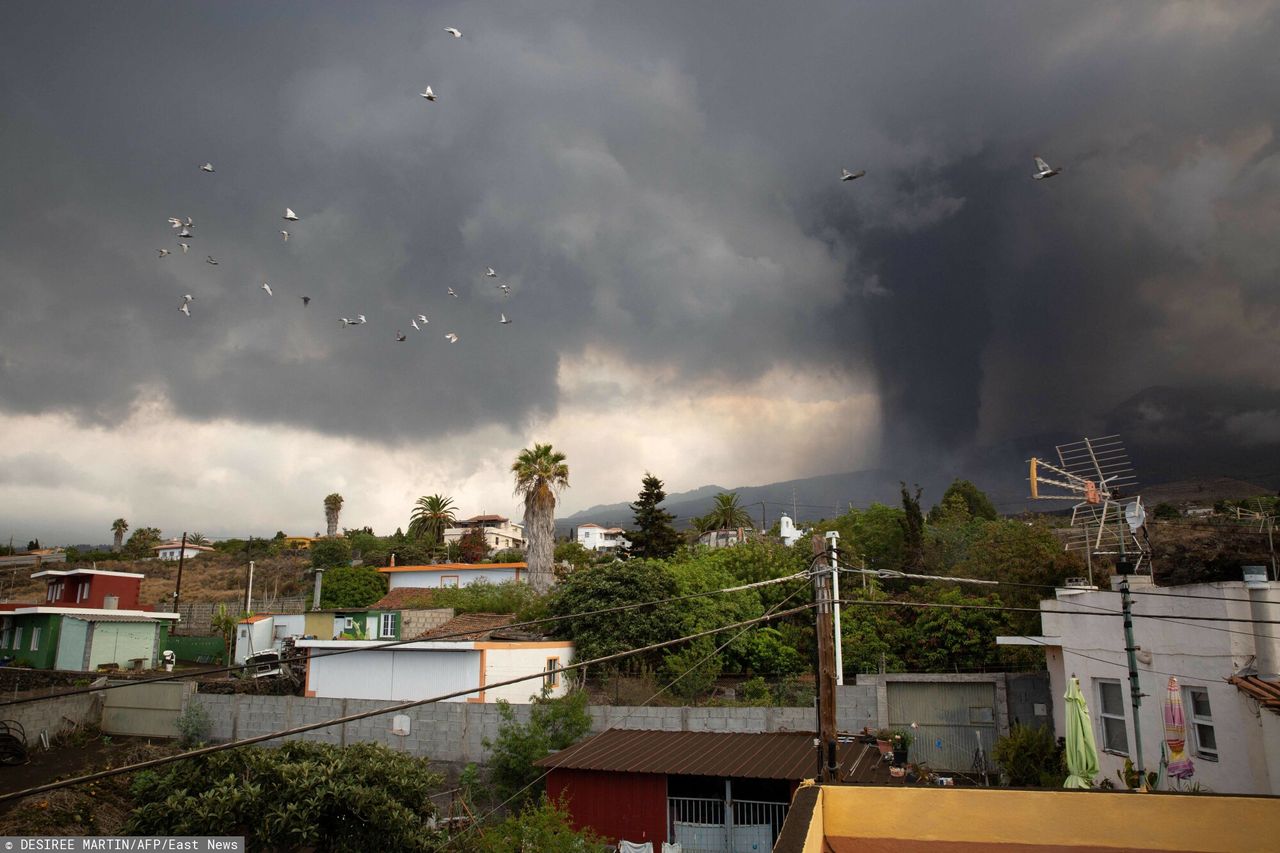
(450, 575)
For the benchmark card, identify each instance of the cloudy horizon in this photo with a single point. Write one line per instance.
(693, 291)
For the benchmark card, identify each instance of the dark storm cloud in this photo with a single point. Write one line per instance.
(657, 182)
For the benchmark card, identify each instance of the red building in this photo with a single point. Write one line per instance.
(705, 790)
(92, 589)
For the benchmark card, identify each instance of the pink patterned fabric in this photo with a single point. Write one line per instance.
(1175, 733)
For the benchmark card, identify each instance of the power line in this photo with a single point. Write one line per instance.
(393, 643)
(396, 708)
(614, 725)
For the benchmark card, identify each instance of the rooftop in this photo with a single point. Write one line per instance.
(469, 626)
(745, 755)
(59, 573)
(405, 597)
(1265, 693)
(447, 567)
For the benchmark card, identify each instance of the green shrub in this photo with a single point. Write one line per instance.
(1031, 757)
(194, 724)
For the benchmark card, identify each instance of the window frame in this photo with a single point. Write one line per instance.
(1104, 715)
(35, 639)
(383, 633)
(1193, 722)
(551, 680)
(456, 581)
(17, 638)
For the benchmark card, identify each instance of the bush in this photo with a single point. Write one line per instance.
(299, 795)
(1031, 757)
(553, 724)
(693, 670)
(329, 553)
(482, 597)
(544, 826)
(194, 724)
(1165, 512)
(352, 586)
(756, 692)
(767, 653)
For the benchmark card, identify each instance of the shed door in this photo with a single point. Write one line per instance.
(71, 644)
(951, 718)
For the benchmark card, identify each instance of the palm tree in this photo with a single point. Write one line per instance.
(332, 507)
(118, 528)
(197, 539)
(726, 514)
(540, 473)
(431, 515)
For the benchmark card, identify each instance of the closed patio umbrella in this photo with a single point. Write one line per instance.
(1175, 733)
(1082, 751)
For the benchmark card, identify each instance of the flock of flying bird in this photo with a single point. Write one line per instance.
(1043, 170)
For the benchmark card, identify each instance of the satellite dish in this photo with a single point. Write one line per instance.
(1135, 515)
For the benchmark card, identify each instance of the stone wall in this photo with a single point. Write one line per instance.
(415, 622)
(55, 715)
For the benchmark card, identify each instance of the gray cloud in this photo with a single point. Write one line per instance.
(657, 182)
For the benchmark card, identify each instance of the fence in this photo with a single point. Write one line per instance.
(197, 618)
(716, 826)
(197, 649)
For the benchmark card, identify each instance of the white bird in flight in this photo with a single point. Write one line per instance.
(185, 247)
(356, 322)
(502, 318)
(506, 289)
(209, 260)
(415, 325)
(846, 175)
(267, 288)
(208, 167)
(422, 318)
(451, 293)
(163, 252)
(184, 309)
(285, 235)
(290, 215)
(490, 273)
(428, 94)
(400, 336)
(187, 297)
(185, 233)
(174, 222)
(456, 33)
(453, 339)
(360, 319)
(1044, 170)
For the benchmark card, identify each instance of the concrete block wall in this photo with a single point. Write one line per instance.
(415, 622)
(56, 715)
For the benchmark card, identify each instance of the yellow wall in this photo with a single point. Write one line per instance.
(1181, 822)
(318, 625)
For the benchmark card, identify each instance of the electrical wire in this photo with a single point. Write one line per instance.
(393, 643)
(543, 775)
(391, 709)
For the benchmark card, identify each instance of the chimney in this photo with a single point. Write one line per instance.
(315, 602)
(1264, 610)
(393, 559)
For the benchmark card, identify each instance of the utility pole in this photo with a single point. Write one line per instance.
(833, 537)
(828, 766)
(1124, 568)
(182, 555)
(248, 593)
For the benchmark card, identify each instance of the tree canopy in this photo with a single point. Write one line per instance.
(654, 536)
(540, 473)
(352, 586)
(725, 514)
(432, 515)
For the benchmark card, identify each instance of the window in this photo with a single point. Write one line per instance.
(82, 592)
(35, 639)
(552, 678)
(348, 623)
(17, 638)
(5, 634)
(448, 581)
(1115, 737)
(1200, 735)
(388, 625)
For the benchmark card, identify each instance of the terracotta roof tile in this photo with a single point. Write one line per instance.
(405, 598)
(1266, 693)
(470, 626)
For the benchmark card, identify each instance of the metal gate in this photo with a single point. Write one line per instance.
(951, 720)
(145, 710)
(706, 826)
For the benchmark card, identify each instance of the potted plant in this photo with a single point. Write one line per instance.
(901, 742)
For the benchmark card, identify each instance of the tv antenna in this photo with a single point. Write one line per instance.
(1097, 475)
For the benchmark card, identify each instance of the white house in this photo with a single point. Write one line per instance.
(173, 549)
(725, 538)
(789, 532)
(1232, 740)
(266, 632)
(593, 537)
(500, 532)
(447, 575)
(430, 666)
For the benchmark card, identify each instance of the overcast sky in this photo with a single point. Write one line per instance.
(693, 290)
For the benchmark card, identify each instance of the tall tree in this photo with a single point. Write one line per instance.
(725, 514)
(912, 528)
(979, 505)
(197, 538)
(432, 514)
(118, 528)
(332, 508)
(654, 537)
(540, 473)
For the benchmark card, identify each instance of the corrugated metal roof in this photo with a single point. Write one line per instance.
(1266, 693)
(92, 618)
(773, 755)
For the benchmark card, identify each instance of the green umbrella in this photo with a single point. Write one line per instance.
(1082, 752)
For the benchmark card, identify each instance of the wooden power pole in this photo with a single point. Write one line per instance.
(828, 764)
